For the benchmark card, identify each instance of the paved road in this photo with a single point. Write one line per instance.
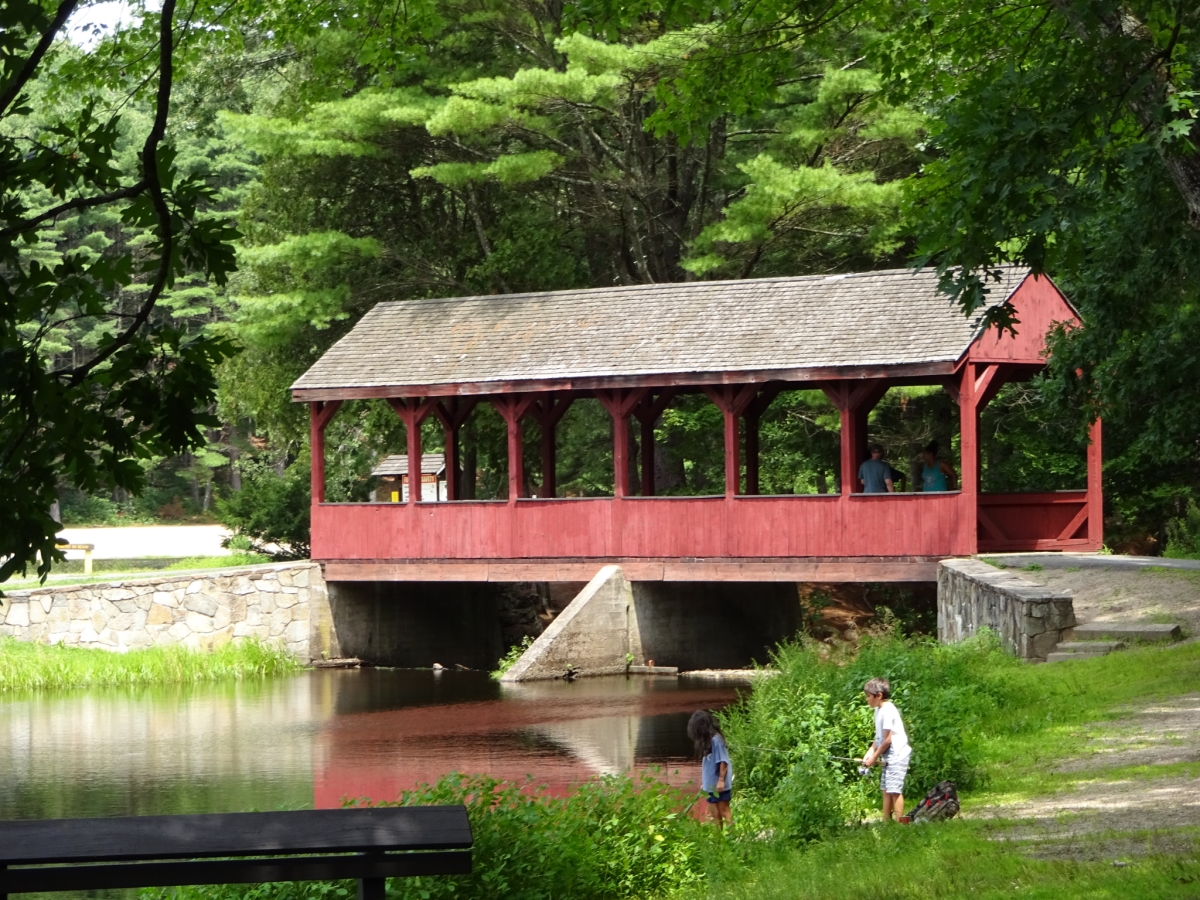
(1089, 561)
(138, 541)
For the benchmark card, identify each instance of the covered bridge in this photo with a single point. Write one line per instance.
(635, 348)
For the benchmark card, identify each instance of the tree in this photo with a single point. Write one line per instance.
(1064, 136)
(526, 147)
(141, 385)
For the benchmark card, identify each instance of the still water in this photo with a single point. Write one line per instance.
(321, 736)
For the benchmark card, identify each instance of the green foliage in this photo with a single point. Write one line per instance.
(612, 838)
(25, 666)
(1183, 534)
(270, 515)
(510, 659)
(104, 224)
(782, 735)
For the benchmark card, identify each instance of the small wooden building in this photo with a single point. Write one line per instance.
(392, 472)
(635, 348)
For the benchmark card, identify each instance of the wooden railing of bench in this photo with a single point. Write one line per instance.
(367, 844)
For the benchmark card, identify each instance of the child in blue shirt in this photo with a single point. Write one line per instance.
(716, 769)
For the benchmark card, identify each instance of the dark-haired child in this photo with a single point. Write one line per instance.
(716, 769)
(890, 747)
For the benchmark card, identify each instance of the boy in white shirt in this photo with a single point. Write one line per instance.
(891, 746)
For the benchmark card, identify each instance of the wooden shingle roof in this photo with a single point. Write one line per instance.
(888, 322)
(431, 464)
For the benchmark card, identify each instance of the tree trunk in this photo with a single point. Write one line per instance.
(235, 474)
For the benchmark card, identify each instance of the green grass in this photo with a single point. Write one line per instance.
(949, 860)
(1052, 710)
(1032, 567)
(25, 666)
(238, 558)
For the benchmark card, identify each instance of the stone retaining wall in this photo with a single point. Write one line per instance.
(284, 603)
(1029, 619)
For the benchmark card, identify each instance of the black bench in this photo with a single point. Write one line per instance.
(235, 848)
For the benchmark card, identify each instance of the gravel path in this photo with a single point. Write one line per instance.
(141, 541)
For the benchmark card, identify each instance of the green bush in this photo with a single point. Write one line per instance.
(1183, 534)
(270, 510)
(509, 659)
(612, 838)
(783, 734)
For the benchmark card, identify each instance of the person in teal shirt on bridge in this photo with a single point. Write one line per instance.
(937, 474)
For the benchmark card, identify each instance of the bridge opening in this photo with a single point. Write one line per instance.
(688, 625)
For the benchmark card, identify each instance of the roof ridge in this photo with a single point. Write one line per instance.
(740, 283)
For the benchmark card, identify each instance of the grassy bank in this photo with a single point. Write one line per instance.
(25, 666)
(978, 717)
(951, 860)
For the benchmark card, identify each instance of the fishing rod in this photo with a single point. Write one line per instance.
(839, 758)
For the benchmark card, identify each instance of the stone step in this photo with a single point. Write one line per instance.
(653, 670)
(1129, 631)
(1095, 648)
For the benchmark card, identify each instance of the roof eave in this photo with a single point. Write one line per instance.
(913, 373)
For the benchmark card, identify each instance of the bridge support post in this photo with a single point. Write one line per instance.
(620, 403)
(453, 413)
(1095, 491)
(320, 412)
(413, 412)
(648, 412)
(513, 408)
(854, 400)
(549, 412)
(733, 400)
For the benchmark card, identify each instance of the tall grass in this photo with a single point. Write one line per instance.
(25, 666)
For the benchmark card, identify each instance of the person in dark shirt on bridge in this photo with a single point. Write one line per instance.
(875, 475)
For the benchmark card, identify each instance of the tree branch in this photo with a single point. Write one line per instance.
(78, 203)
(153, 185)
(14, 87)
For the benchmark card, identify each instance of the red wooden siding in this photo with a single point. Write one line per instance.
(1012, 522)
(665, 527)
(1039, 306)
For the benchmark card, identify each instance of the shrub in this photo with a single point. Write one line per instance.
(614, 837)
(1183, 534)
(783, 734)
(509, 659)
(270, 509)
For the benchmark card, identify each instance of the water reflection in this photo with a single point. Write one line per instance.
(322, 736)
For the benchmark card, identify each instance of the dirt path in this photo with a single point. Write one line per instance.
(1158, 734)
(139, 541)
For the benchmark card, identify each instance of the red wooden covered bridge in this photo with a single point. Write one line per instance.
(635, 348)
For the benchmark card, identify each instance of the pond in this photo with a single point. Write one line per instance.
(321, 736)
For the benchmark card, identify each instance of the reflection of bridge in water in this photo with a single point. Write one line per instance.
(320, 736)
(558, 734)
